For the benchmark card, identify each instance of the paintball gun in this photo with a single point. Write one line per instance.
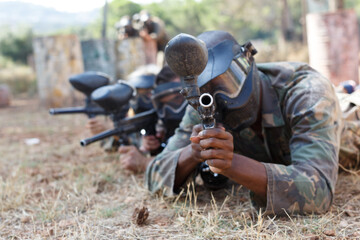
(86, 83)
(187, 56)
(115, 100)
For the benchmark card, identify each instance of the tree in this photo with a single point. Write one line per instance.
(17, 46)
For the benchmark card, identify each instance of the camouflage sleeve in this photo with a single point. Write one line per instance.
(308, 184)
(350, 137)
(160, 173)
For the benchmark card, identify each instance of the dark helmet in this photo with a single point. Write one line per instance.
(144, 76)
(170, 105)
(143, 80)
(123, 22)
(167, 100)
(144, 15)
(143, 85)
(232, 78)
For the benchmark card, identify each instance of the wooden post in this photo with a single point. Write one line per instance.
(99, 55)
(304, 11)
(56, 59)
(333, 41)
(130, 54)
(5, 95)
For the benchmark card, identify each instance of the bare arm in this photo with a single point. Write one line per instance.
(218, 151)
(249, 173)
(189, 158)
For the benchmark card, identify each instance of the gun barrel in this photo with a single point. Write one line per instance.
(100, 136)
(206, 100)
(70, 110)
(74, 110)
(125, 126)
(207, 110)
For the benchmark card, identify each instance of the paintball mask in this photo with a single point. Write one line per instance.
(170, 105)
(143, 84)
(231, 77)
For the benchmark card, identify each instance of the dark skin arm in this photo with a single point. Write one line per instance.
(218, 152)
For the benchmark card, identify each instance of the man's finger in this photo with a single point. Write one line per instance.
(216, 133)
(218, 164)
(216, 143)
(124, 149)
(195, 139)
(216, 154)
(196, 129)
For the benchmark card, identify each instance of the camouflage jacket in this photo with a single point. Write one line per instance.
(349, 156)
(301, 128)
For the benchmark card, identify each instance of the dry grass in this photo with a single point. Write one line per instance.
(20, 78)
(58, 190)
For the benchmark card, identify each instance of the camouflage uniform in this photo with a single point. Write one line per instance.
(301, 128)
(349, 156)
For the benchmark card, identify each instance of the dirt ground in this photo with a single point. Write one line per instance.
(52, 188)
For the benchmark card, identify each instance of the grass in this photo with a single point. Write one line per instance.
(21, 79)
(59, 190)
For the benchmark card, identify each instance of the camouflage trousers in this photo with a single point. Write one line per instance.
(349, 156)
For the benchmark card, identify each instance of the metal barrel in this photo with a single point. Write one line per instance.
(206, 100)
(98, 137)
(70, 110)
(73, 110)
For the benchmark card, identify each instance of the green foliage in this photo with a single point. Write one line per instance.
(84, 33)
(244, 19)
(18, 46)
(119, 8)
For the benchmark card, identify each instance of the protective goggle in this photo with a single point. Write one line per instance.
(167, 98)
(231, 81)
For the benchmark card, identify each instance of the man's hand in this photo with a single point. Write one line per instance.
(149, 143)
(96, 126)
(217, 148)
(189, 158)
(195, 143)
(132, 160)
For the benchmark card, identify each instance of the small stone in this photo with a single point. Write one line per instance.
(329, 232)
(25, 219)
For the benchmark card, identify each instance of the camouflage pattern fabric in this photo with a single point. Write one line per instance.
(349, 157)
(301, 127)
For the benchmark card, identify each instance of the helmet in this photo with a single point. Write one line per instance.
(144, 15)
(170, 105)
(232, 78)
(143, 80)
(143, 85)
(123, 22)
(349, 86)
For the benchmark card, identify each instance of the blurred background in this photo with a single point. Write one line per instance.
(43, 42)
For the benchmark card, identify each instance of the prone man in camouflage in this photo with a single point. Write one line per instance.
(279, 134)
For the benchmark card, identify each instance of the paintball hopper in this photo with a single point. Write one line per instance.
(187, 57)
(86, 83)
(113, 97)
(89, 81)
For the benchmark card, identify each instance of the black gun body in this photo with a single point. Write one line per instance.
(125, 126)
